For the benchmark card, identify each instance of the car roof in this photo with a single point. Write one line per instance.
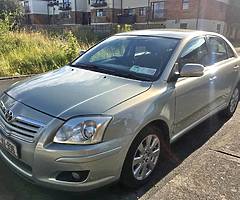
(171, 33)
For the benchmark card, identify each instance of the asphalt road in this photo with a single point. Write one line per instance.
(205, 164)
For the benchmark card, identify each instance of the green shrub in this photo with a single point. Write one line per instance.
(27, 52)
(123, 28)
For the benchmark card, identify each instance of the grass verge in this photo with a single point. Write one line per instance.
(23, 52)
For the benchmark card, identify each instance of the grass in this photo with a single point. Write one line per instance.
(23, 52)
(29, 52)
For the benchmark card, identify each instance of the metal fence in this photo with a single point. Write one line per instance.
(100, 31)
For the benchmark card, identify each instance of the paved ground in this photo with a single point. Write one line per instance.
(206, 165)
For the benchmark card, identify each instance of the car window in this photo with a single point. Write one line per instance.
(194, 52)
(140, 50)
(135, 57)
(110, 51)
(229, 51)
(146, 54)
(217, 50)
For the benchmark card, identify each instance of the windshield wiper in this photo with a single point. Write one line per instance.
(84, 66)
(112, 72)
(136, 76)
(95, 68)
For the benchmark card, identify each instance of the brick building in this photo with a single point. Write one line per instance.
(212, 15)
(57, 11)
(221, 16)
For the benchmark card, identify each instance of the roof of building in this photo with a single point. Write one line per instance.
(173, 33)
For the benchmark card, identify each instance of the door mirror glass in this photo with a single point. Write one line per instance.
(192, 70)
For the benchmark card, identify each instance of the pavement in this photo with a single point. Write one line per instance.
(205, 164)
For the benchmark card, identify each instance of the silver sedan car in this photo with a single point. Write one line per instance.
(111, 114)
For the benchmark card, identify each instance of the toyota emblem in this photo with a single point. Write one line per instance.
(9, 115)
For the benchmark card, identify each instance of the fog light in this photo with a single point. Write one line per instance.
(76, 175)
(73, 176)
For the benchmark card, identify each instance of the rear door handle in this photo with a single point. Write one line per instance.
(236, 67)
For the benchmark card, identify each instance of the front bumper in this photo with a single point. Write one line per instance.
(41, 160)
(103, 161)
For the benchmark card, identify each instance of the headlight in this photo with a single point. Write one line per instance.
(82, 130)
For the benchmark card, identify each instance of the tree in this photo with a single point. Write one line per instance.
(11, 11)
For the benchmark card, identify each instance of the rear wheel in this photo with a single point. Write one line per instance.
(230, 110)
(142, 158)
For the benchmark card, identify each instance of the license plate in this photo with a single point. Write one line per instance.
(9, 146)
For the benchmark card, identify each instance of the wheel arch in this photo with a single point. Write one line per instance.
(164, 131)
(163, 126)
(159, 124)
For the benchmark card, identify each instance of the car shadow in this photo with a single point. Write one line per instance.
(181, 149)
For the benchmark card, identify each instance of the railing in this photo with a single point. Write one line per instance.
(65, 6)
(97, 3)
(53, 3)
(159, 15)
(27, 9)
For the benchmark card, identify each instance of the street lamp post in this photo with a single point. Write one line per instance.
(75, 11)
(148, 12)
(198, 14)
(113, 12)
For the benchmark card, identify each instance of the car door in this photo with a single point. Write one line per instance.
(223, 62)
(193, 95)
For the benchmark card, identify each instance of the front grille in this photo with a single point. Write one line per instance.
(21, 127)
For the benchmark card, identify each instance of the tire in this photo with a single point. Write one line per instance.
(232, 106)
(128, 179)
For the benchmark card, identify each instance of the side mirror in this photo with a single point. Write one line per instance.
(81, 52)
(192, 70)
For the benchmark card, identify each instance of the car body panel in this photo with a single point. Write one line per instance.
(70, 92)
(57, 96)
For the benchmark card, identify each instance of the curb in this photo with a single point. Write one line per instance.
(15, 77)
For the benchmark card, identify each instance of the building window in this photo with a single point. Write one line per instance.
(183, 26)
(142, 11)
(129, 11)
(218, 28)
(158, 9)
(185, 4)
(100, 13)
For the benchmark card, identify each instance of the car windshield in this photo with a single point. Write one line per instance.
(136, 57)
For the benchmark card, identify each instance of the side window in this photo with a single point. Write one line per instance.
(217, 50)
(230, 51)
(194, 52)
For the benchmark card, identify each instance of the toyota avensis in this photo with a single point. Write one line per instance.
(111, 114)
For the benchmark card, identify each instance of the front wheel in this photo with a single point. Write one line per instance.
(142, 158)
(230, 110)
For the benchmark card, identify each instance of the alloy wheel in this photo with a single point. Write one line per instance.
(234, 100)
(146, 157)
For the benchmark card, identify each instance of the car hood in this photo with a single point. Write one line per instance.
(69, 92)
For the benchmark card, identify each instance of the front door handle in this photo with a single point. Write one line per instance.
(213, 78)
